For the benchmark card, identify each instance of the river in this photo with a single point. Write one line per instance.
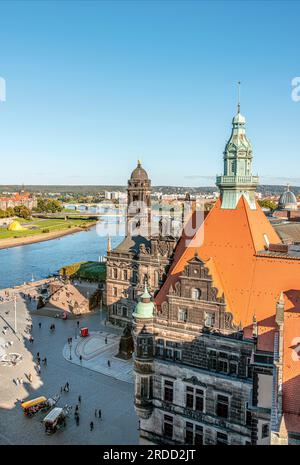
(39, 260)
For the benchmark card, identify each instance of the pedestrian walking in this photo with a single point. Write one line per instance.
(100, 413)
(39, 368)
(78, 324)
(108, 363)
(38, 355)
(79, 399)
(61, 389)
(80, 358)
(40, 325)
(106, 340)
(91, 426)
(77, 420)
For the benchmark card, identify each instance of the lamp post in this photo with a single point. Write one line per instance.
(15, 308)
(70, 347)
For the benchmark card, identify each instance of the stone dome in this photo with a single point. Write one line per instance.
(139, 173)
(287, 200)
(239, 119)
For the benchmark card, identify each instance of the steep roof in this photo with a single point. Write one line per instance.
(230, 239)
(228, 242)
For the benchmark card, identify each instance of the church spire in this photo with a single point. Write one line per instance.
(237, 179)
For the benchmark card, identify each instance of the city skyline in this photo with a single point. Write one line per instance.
(108, 83)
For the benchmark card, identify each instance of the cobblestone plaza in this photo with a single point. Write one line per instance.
(98, 391)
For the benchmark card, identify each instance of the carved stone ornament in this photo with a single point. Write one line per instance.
(194, 380)
(163, 248)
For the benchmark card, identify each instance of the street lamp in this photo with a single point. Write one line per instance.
(15, 308)
(70, 347)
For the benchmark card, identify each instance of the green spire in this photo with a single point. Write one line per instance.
(145, 307)
(237, 179)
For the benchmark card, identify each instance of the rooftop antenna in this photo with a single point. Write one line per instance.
(239, 96)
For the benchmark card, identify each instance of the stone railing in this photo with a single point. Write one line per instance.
(237, 179)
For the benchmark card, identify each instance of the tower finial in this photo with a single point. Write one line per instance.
(239, 96)
(139, 163)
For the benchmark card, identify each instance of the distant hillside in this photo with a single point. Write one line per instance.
(92, 190)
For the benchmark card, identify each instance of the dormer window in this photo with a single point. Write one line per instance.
(182, 315)
(196, 294)
(209, 319)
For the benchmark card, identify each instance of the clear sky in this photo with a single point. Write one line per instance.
(91, 86)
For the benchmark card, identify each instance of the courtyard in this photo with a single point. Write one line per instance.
(110, 390)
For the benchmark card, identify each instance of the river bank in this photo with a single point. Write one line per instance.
(20, 241)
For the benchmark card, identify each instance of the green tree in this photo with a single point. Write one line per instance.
(48, 206)
(268, 203)
(22, 212)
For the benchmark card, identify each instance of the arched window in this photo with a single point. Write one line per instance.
(196, 294)
(115, 273)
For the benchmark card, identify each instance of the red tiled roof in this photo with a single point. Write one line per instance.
(251, 283)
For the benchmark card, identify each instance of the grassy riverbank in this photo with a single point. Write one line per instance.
(92, 271)
(40, 230)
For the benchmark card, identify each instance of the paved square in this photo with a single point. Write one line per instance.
(98, 350)
(114, 397)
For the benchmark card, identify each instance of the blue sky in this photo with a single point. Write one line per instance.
(93, 86)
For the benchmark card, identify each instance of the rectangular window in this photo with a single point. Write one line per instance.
(233, 368)
(198, 435)
(168, 426)
(248, 418)
(177, 355)
(189, 400)
(125, 275)
(144, 387)
(115, 273)
(249, 368)
(189, 433)
(222, 406)
(223, 365)
(182, 315)
(194, 398)
(199, 400)
(209, 319)
(193, 434)
(265, 430)
(124, 312)
(222, 438)
(168, 393)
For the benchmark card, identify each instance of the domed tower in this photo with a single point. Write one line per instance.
(287, 200)
(143, 355)
(139, 203)
(237, 179)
